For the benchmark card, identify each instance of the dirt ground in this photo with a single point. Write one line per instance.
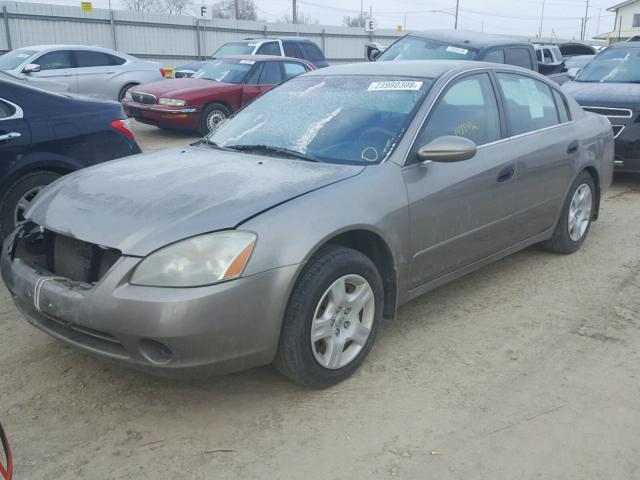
(526, 369)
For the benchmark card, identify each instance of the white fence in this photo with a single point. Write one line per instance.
(171, 40)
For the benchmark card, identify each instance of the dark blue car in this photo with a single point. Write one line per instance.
(44, 135)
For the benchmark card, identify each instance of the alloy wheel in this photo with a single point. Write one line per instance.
(342, 321)
(580, 212)
(214, 119)
(24, 203)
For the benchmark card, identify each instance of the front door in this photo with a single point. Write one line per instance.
(57, 66)
(15, 136)
(460, 212)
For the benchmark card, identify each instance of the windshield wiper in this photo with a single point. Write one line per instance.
(273, 150)
(213, 144)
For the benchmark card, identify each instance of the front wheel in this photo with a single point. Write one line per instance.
(212, 116)
(575, 219)
(331, 319)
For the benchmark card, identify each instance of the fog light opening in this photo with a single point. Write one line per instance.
(155, 352)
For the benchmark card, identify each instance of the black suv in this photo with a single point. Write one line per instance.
(294, 47)
(610, 86)
(457, 45)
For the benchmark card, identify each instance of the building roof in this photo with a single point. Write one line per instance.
(620, 5)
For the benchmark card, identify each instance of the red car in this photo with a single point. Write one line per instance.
(214, 92)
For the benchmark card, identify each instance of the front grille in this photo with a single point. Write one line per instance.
(61, 255)
(146, 98)
(610, 111)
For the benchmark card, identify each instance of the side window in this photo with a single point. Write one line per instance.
(539, 55)
(269, 48)
(6, 110)
(56, 60)
(530, 104)
(115, 60)
(468, 109)
(519, 57)
(271, 74)
(548, 58)
(292, 69)
(561, 104)
(636, 20)
(89, 58)
(311, 52)
(254, 76)
(495, 56)
(291, 50)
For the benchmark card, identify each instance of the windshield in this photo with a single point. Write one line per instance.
(235, 48)
(613, 66)
(414, 48)
(225, 71)
(11, 60)
(336, 119)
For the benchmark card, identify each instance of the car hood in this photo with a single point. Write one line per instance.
(175, 88)
(599, 94)
(139, 204)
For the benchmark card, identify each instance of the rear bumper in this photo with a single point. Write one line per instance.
(183, 118)
(165, 331)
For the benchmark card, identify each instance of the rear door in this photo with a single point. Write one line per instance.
(15, 136)
(57, 66)
(461, 212)
(94, 72)
(544, 143)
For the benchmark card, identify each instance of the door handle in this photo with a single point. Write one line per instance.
(573, 147)
(506, 173)
(9, 136)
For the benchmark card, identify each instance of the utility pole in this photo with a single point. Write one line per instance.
(294, 14)
(457, 9)
(584, 25)
(598, 27)
(236, 8)
(362, 21)
(541, 19)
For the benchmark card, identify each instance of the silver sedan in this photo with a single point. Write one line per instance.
(90, 71)
(291, 232)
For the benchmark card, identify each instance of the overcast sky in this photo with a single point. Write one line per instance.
(561, 17)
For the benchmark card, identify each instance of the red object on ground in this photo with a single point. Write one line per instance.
(6, 472)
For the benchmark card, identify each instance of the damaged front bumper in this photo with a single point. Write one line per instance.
(168, 331)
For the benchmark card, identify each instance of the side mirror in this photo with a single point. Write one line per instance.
(448, 149)
(373, 51)
(31, 68)
(6, 461)
(573, 72)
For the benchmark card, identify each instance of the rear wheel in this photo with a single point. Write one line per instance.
(20, 196)
(211, 117)
(123, 91)
(331, 321)
(576, 216)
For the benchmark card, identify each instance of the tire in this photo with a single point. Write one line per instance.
(567, 237)
(25, 187)
(123, 90)
(213, 109)
(298, 358)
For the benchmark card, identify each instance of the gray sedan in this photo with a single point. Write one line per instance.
(291, 232)
(91, 71)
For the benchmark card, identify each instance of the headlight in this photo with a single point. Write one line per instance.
(172, 102)
(127, 95)
(197, 261)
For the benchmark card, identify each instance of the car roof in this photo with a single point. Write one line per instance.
(472, 39)
(261, 58)
(633, 44)
(411, 68)
(264, 39)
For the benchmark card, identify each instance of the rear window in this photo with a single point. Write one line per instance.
(415, 48)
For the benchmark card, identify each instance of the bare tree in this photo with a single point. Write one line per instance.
(227, 9)
(303, 19)
(176, 7)
(358, 21)
(149, 6)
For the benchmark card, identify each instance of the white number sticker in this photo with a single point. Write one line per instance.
(248, 62)
(394, 85)
(461, 51)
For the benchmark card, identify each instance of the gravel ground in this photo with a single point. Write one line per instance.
(528, 368)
